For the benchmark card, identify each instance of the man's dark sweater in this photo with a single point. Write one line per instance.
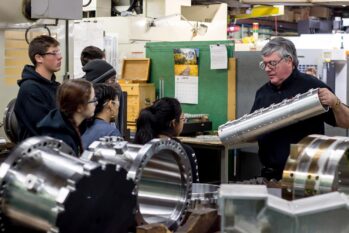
(274, 147)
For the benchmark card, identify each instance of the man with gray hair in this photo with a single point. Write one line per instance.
(285, 81)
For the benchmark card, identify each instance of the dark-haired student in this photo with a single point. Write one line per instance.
(164, 119)
(90, 53)
(106, 111)
(76, 102)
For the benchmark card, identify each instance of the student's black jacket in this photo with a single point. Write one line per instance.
(57, 125)
(36, 97)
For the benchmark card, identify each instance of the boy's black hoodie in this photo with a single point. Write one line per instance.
(36, 97)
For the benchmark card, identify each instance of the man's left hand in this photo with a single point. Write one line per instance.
(327, 97)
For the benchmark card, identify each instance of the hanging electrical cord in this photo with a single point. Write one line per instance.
(137, 7)
(88, 3)
(132, 5)
(45, 26)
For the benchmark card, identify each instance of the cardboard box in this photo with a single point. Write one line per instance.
(320, 12)
(301, 13)
(288, 15)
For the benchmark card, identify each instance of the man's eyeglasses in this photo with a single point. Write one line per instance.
(93, 101)
(54, 53)
(270, 64)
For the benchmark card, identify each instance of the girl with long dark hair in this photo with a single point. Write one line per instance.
(164, 119)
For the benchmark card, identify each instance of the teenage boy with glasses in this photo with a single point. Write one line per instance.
(38, 86)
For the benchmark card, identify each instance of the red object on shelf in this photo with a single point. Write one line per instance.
(233, 28)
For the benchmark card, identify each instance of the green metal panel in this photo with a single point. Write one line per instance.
(212, 83)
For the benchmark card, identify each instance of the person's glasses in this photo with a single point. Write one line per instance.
(270, 64)
(54, 53)
(93, 101)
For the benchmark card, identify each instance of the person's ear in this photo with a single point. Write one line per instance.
(110, 105)
(38, 58)
(80, 109)
(173, 123)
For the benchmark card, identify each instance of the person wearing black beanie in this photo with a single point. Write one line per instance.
(99, 71)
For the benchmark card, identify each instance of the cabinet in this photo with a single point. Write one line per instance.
(139, 96)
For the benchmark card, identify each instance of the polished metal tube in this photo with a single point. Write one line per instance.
(161, 171)
(289, 111)
(43, 187)
(317, 164)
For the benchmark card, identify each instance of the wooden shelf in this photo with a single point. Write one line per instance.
(282, 25)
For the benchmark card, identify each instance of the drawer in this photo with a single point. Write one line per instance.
(132, 100)
(130, 89)
(131, 126)
(132, 113)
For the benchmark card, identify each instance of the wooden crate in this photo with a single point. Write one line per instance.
(135, 70)
(139, 96)
(135, 74)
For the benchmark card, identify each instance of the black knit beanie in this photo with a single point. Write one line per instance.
(98, 71)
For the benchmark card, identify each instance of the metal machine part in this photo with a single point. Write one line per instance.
(161, 171)
(204, 196)
(317, 164)
(45, 189)
(14, 11)
(10, 122)
(5, 148)
(249, 208)
(289, 111)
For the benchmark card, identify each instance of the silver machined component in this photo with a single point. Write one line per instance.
(10, 122)
(204, 196)
(318, 164)
(250, 208)
(289, 111)
(161, 171)
(43, 187)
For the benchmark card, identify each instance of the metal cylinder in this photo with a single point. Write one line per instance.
(14, 11)
(46, 189)
(161, 171)
(317, 164)
(10, 122)
(276, 116)
(204, 196)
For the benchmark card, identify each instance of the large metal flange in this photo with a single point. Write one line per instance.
(139, 166)
(46, 189)
(161, 171)
(100, 202)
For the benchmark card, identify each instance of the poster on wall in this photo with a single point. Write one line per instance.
(82, 38)
(186, 69)
(219, 56)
